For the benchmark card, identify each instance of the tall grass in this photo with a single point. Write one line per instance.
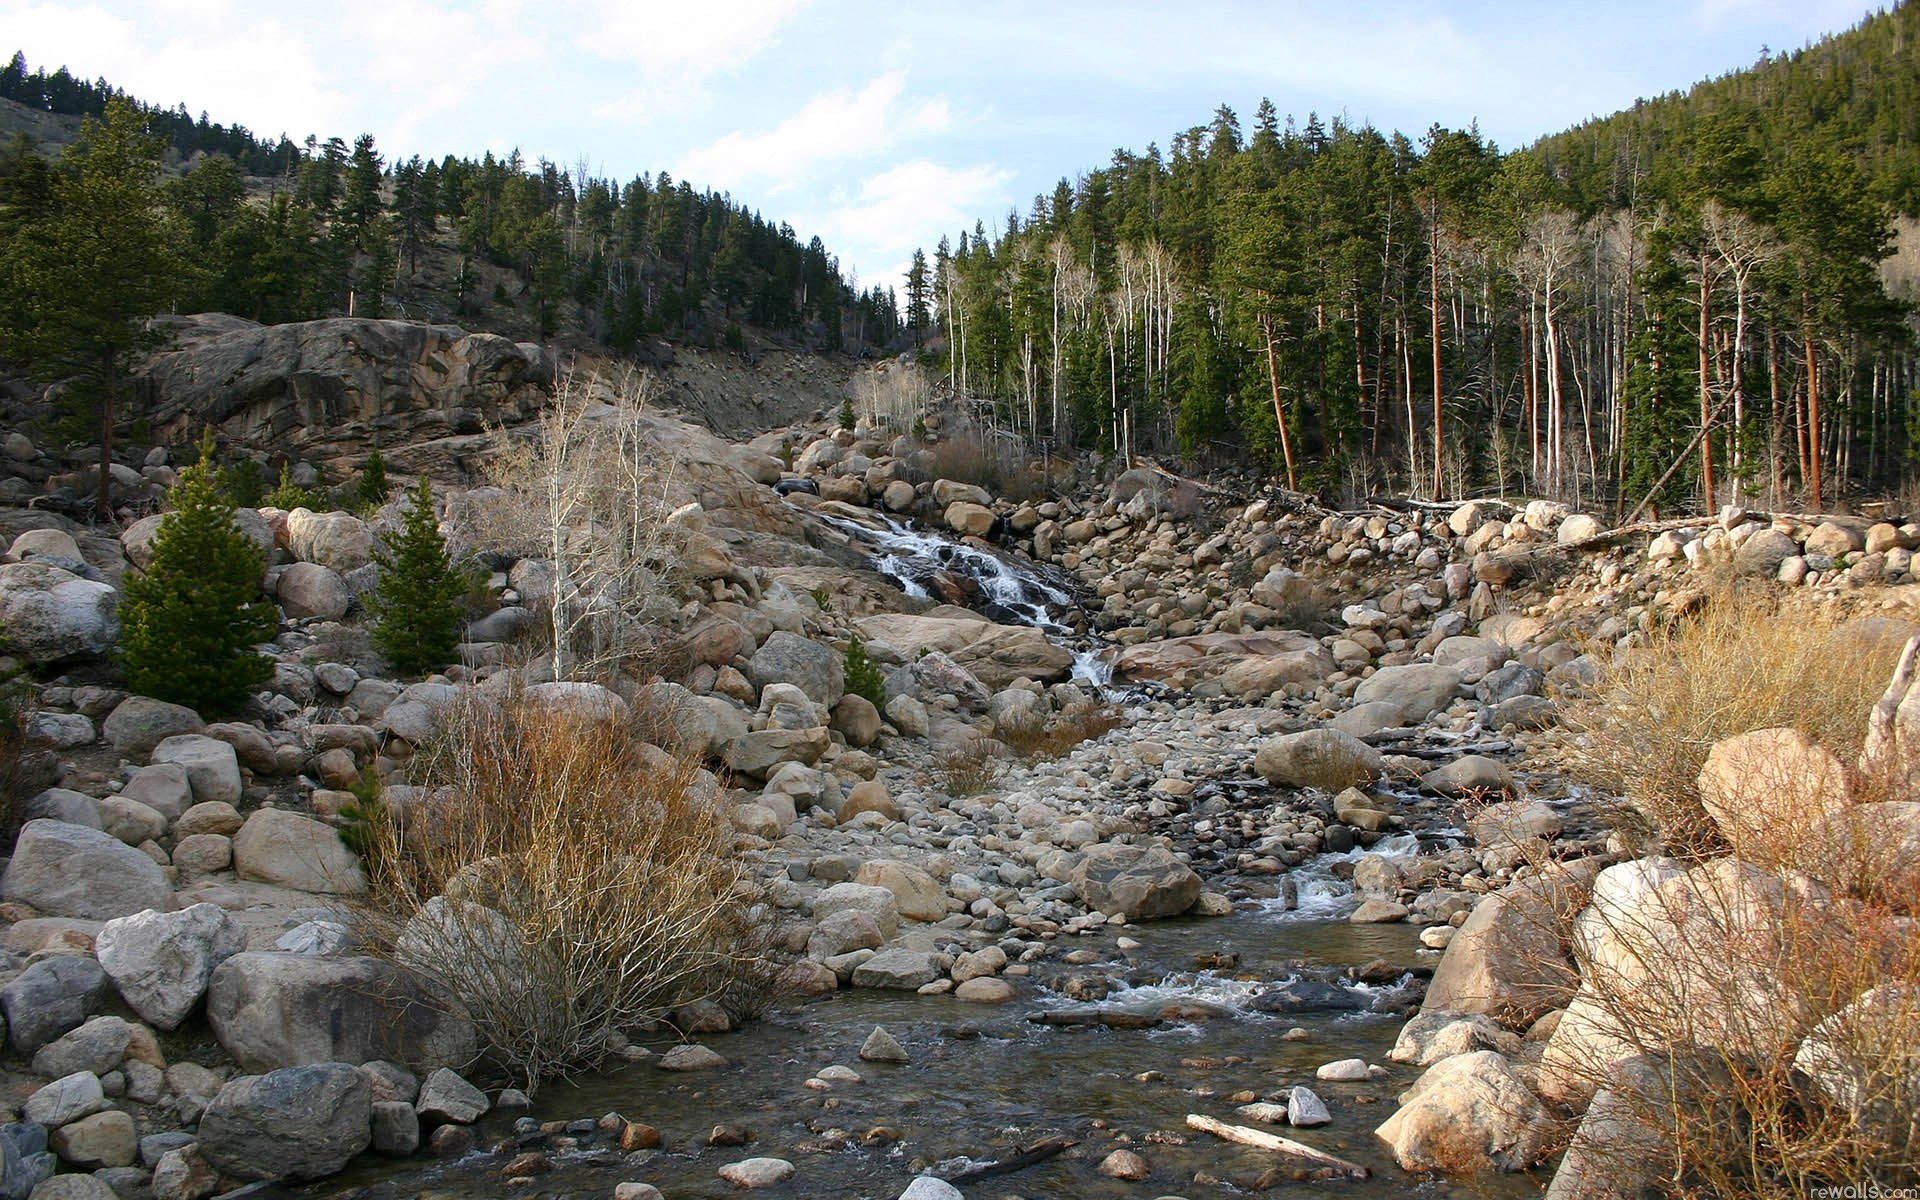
(1737, 664)
(564, 882)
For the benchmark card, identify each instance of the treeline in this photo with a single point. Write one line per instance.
(1691, 315)
(63, 93)
(287, 233)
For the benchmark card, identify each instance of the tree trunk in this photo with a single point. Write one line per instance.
(109, 392)
(1433, 267)
(1279, 411)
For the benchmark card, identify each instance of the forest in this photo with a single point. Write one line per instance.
(277, 231)
(1686, 304)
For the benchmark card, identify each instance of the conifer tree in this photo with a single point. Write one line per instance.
(192, 618)
(416, 607)
(370, 490)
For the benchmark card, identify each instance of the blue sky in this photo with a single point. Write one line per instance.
(880, 126)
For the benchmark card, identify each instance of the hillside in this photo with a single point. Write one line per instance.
(276, 232)
(1365, 310)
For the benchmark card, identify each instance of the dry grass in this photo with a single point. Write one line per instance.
(1762, 1033)
(970, 768)
(1737, 664)
(1002, 468)
(566, 882)
(1037, 737)
(1748, 1028)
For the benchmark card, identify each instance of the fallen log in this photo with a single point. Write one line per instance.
(1039, 1152)
(1259, 1139)
(1110, 1018)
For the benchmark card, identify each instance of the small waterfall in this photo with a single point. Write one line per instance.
(1320, 894)
(1011, 592)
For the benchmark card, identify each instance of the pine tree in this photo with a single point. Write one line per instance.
(192, 618)
(416, 607)
(370, 490)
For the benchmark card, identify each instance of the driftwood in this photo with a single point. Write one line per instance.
(1259, 1139)
(1039, 1152)
(1111, 1018)
(1893, 741)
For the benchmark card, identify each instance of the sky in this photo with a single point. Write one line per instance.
(881, 126)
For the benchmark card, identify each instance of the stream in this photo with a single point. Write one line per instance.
(1219, 997)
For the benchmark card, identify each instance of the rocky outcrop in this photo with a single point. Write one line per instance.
(339, 385)
(996, 655)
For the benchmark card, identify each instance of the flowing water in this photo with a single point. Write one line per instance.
(986, 1081)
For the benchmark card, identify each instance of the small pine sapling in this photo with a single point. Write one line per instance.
(863, 676)
(192, 619)
(416, 607)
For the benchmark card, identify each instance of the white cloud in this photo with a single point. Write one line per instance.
(908, 206)
(676, 47)
(831, 127)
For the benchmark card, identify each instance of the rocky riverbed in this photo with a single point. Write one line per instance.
(1176, 803)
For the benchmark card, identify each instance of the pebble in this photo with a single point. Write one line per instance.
(757, 1172)
(1346, 1070)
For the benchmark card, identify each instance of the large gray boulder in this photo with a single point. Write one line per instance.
(338, 540)
(1144, 882)
(279, 1010)
(212, 766)
(1416, 690)
(139, 723)
(294, 851)
(311, 590)
(815, 669)
(162, 962)
(47, 614)
(51, 997)
(1318, 758)
(295, 1123)
(67, 870)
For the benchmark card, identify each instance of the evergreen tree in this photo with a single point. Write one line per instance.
(192, 618)
(416, 608)
(82, 281)
(370, 490)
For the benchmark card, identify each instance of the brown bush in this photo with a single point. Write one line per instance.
(1038, 737)
(564, 881)
(1003, 470)
(1737, 664)
(971, 767)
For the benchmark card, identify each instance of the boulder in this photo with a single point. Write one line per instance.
(1416, 690)
(48, 614)
(105, 1139)
(1578, 528)
(67, 1098)
(1144, 882)
(907, 970)
(756, 754)
(97, 1047)
(968, 520)
(302, 1122)
(1469, 1114)
(996, 655)
(162, 962)
(284, 848)
(67, 870)
(277, 1010)
(51, 997)
(310, 590)
(446, 1098)
(1510, 959)
(139, 723)
(212, 766)
(875, 902)
(1766, 788)
(338, 540)
(1318, 758)
(917, 895)
(814, 668)
(1243, 663)
(1760, 556)
(1469, 775)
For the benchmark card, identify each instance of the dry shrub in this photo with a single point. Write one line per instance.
(1002, 468)
(564, 881)
(1038, 737)
(1737, 664)
(971, 767)
(1752, 1035)
(1751, 1028)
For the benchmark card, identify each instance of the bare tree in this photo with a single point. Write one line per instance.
(1742, 247)
(587, 492)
